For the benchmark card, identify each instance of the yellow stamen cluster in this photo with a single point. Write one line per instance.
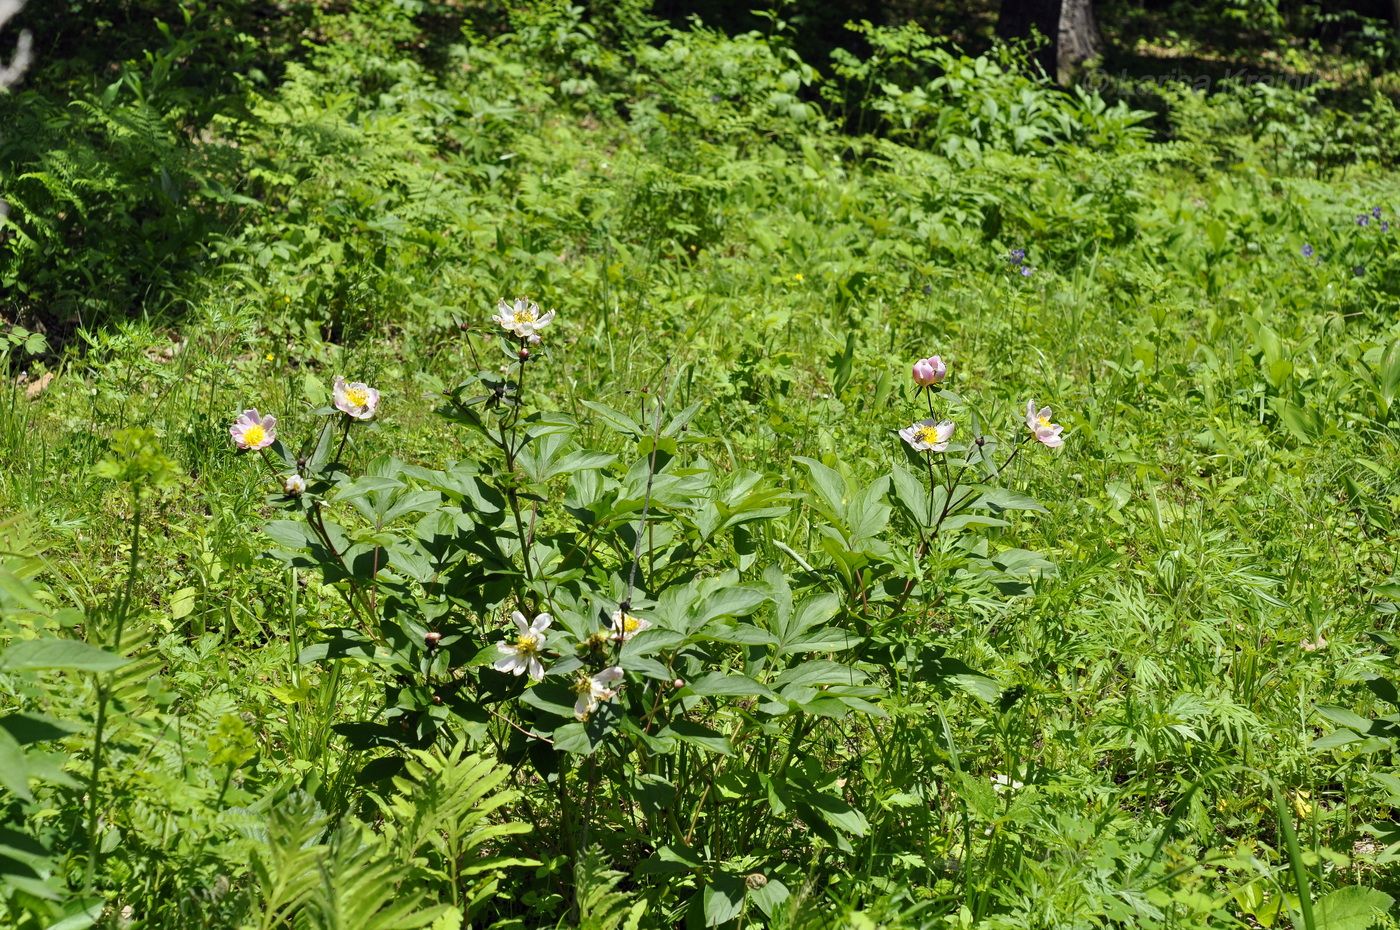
(254, 434)
(630, 624)
(527, 644)
(1043, 421)
(357, 397)
(927, 434)
(525, 316)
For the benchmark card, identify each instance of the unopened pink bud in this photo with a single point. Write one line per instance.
(929, 371)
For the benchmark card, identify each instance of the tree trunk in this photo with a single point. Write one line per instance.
(1068, 25)
(1079, 38)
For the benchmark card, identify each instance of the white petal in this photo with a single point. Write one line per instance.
(536, 669)
(521, 623)
(541, 623)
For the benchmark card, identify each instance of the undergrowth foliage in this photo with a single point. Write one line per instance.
(684, 586)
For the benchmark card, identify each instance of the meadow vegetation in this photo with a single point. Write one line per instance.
(658, 524)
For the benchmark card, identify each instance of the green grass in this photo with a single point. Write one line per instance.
(1125, 740)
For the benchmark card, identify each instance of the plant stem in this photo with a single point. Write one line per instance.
(104, 685)
(344, 435)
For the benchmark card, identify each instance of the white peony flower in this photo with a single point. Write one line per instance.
(592, 690)
(522, 318)
(928, 435)
(625, 626)
(522, 654)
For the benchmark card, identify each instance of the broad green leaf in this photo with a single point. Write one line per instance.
(770, 896)
(722, 899)
(721, 684)
(1344, 718)
(14, 772)
(1006, 499)
(1352, 908)
(829, 485)
(615, 419)
(33, 655)
(700, 735)
(28, 727)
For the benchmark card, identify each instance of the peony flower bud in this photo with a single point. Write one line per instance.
(295, 485)
(929, 371)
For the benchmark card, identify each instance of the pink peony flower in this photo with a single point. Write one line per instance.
(253, 431)
(1038, 422)
(929, 371)
(355, 398)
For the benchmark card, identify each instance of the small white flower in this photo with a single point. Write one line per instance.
(522, 317)
(295, 485)
(592, 690)
(1045, 432)
(522, 654)
(928, 435)
(625, 626)
(355, 398)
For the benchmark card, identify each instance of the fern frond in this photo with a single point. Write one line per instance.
(600, 905)
(440, 819)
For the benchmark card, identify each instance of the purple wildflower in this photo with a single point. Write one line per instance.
(1376, 212)
(1359, 270)
(1026, 271)
(1385, 226)
(1363, 220)
(1018, 256)
(1307, 250)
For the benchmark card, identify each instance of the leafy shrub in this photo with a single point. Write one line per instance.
(924, 95)
(669, 698)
